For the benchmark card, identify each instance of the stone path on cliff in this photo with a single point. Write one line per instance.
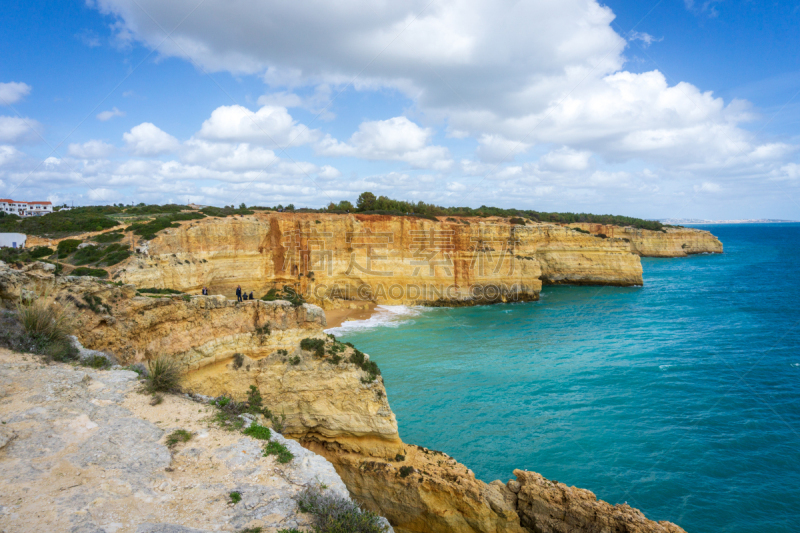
(82, 451)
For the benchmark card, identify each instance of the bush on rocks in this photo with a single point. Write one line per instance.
(335, 514)
(164, 375)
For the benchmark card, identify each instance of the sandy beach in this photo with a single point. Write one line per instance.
(335, 317)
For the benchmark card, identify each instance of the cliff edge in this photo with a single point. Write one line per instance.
(332, 397)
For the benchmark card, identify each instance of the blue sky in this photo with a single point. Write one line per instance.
(676, 108)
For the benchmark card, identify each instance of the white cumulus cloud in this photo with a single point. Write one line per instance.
(94, 149)
(147, 139)
(395, 139)
(13, 92)
(270, 125)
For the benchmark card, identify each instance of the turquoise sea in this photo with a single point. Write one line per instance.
(681, 398)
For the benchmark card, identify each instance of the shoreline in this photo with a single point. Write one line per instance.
(336, 317)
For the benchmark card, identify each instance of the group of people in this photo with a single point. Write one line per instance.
(240, 296)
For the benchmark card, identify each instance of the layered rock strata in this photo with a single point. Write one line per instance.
(377, 258)
(331, 405)
(672, 242)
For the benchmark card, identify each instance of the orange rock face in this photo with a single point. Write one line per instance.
(377, 258)
(672, 242)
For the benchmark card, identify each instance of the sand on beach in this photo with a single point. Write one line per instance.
(335, 317)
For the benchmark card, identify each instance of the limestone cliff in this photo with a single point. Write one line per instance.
(384, 259)
(672, 242)
(332, 405)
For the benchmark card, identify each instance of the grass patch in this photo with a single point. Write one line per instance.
(92, 272)
(148, 230)
(178, 436)
(158, 291)
(66, 247)
(113, 236)
(44, 330)
(287, 293)
(258, 432)
(334, 514)
(164, 375)
(235, 497)
(96, 361)
(282, 453)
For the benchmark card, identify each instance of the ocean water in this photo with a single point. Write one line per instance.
(681, 398)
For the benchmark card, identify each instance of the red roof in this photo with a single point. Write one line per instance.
(8, 201)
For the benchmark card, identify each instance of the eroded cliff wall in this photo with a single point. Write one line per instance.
(385, 259)
(672, 242)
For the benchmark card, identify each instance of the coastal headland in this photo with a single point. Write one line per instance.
(331, 394)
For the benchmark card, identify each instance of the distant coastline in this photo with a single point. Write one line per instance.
(682, 221)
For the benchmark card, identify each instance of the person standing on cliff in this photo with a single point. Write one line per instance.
(205, 291)
(251, 295)
(239, 293)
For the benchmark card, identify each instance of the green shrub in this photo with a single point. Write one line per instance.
(228, 411)
(282, 453)
(41, 251)
(46, 329)
(67, 246)
(235, 497)
(86, 271)
(313, 345)
(177, 436)
(370, 367)
(263, 330)
(517, 221)
(158, 291)
(148, 230)
(88, 254)
(113, 236)
(255, 404)
(78, 220)
(225, 211)
(258, 432)
(287, 293)
(164, 374)
(295, 360)
(238, 360)
(405, 471)
(334, 514)
(96, 304)
(96, 361)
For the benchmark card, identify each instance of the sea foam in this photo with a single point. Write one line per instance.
(384, 316)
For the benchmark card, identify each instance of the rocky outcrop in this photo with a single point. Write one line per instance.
(671, 242)
(378, 258)
(546, 506)
(83, 451)
(333, 405)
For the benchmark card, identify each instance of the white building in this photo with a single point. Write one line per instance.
(12, 240)
(25, 209)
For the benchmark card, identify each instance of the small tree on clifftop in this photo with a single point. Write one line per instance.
(366, 201)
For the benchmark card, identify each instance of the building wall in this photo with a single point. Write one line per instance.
(12, 240)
